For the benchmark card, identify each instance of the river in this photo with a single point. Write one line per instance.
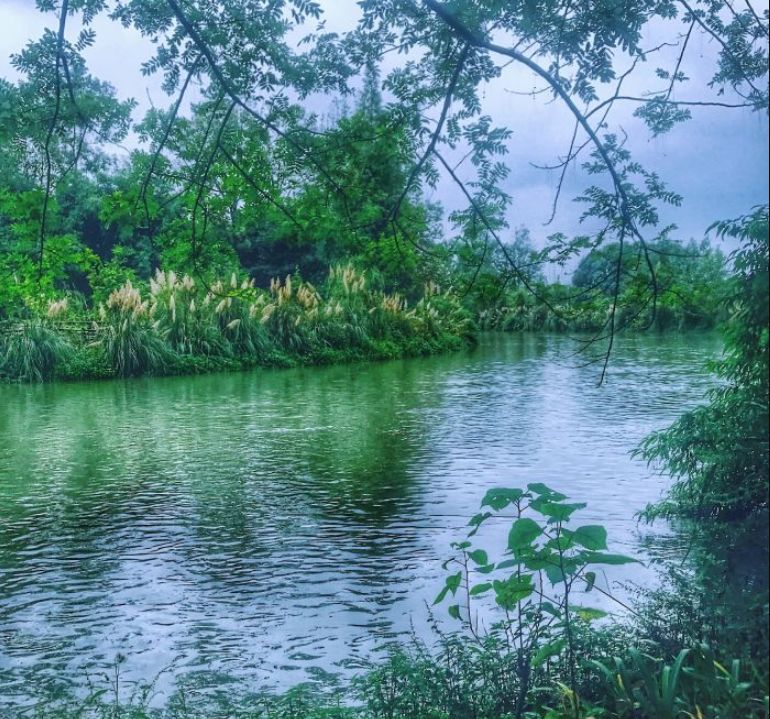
(252, 530)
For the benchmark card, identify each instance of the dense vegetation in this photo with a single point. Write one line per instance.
(222, 190)
(181, 325)
(249, 232)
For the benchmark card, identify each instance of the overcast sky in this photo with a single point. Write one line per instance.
(718, 161)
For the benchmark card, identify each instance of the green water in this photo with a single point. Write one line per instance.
(276, 525)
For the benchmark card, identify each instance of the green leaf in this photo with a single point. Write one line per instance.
(508, 563)
(603, 558)
(589, 614)
(454, 611)
(510, 592)
(551, 649)
(554, 574)
(485, 569)
(523, 533)
(541, 489)
(441, 596)
(477, 520)
(538, 561)
(500, 498)
(480, 588)
(479, 556)
(549, 608)
(563, 542)
(453, 582)
(590, 578)
(555, 511)
(591, 536)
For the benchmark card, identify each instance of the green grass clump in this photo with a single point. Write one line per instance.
(31, 351)
(133, 345)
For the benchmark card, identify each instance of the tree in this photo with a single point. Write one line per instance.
(719, 451)
(584, 55)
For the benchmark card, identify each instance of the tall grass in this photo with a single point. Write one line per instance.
(290, 314)
(183, 324)
(236, 310)
(31, 350)
(184, 315)
(133, 344)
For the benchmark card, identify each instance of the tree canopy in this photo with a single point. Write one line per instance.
(250, 178)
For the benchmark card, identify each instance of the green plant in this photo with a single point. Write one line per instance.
(32, 350)
(694, 685)
(130, 341)
(236, 308)
(543, 561)
(289, 318)
(183, 317)
(719, 453)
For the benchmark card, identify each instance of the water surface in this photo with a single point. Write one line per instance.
(273, 526)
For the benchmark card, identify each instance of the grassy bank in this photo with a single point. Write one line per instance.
(179, 325)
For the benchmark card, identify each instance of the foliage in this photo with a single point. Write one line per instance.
(185, 319)
(127, 335)
(32, 350)
(249, 180)
(695, 684)
(253, 184)
(545, 559)
(183, 325)
(719, 452)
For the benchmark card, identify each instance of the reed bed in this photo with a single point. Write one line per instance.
(179, 324)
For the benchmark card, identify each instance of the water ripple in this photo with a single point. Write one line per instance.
(273, 526)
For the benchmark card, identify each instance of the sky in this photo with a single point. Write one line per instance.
(718, 161)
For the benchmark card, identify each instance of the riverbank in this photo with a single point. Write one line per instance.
(180, 326)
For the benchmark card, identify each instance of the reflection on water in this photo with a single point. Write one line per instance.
(274, 524)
